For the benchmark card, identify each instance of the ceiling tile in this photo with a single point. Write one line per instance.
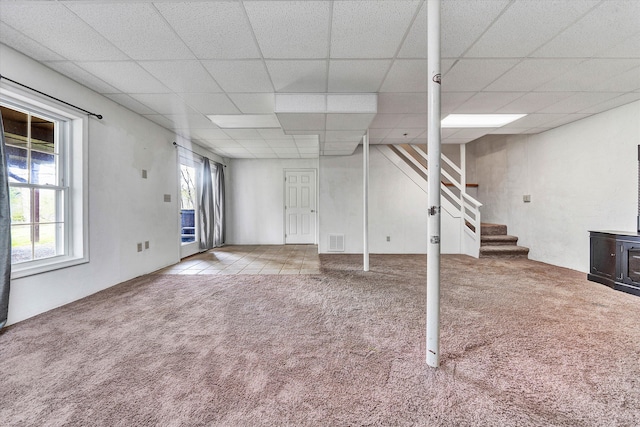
(164, 103)
(462, 21)
(352, 75)
(612, 103)
(55, 27)
(240, 76)
(475, 74)
(290, 29)
(529, 24)
(243, 133)
(301, 121)
(356, 28)
(210, 103)
(589, 73)
(182, 76)
(533, 102)
(191, 121)
(335, 136)
(274, 134)
(212, 30)
(399, 134)
(253, 103)
(579, 101)
(629, 48)
(137, 29)
(81, 76)
(378, 133)
(531, 73)
(417, 121)
(348, 121)
(26, 45)
(126, 76)
(212, 134)
(449, 101)
(298, 76)
(386, 121)
(411, 103)
(625, 82)
(406, 75)
(281, 143)
(487, 102)
(160, 119)
(593, 33)
(130, 103)
(565, 119)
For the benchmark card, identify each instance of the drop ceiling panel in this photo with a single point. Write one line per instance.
(365, 29)
(190, 121)
(357, 75)
(212, 134)
(335, 136)
(629, 48)
(579, 101)
(126, 76)
(55, 27)
(529, 24)
(274, 134)
(532, 73)
(620, 83)
(406, 75)
(533, 102)
(475, 74)
(608, 24)
(348, 121)
(82, 76)
(22, 43)
(449, 101)
(386, 121)
(397, 103)
(212, 30)
(160, 119)
(298, 76)
(253, 103)
(462, 23)
(301, 121)
(291, 29)
(281, 143)
(210, 103)
(130, 103)
(240, 76)
(135, 28)
(182, 76)
(612, 103)
(487, 102)
(589, 73)
(164, 103)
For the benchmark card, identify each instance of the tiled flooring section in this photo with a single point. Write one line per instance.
(287, 259)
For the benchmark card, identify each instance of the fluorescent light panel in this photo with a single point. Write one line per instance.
(245, 121)
(479, 120)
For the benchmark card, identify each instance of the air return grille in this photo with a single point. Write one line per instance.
(336, 242)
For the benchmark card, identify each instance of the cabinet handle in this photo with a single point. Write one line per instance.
(613, 254)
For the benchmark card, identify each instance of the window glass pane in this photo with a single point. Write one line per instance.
(20, 204)
(15, 126)
(187, 203)
(44, 205)
(43, 168)
(45, 240)
(21, 243)
(17, 164)
(42, 135)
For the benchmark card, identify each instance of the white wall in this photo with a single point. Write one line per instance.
(124, 209)
(255, 199)
(397, 206)
(581, 177)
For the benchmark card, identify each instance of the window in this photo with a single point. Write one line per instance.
(187, 203)
(46, 194)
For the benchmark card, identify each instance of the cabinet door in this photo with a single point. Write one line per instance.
(631, 264)
(603, 256)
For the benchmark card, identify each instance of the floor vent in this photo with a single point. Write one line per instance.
(336, 242)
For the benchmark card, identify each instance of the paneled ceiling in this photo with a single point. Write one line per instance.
(177, 62)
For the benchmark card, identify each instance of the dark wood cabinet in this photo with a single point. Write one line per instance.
(615, 260)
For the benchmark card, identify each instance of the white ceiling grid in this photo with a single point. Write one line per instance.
(175, 62)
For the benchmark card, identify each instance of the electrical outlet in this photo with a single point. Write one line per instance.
(167, 197)
(144, 173)
(146, 244)
(139, 247)
(388, 238)
(526, 198)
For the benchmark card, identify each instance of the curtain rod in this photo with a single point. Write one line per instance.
(198, 154)
(99, 116)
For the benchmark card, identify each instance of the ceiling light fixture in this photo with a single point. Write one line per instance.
(479, 120)
(245, 121)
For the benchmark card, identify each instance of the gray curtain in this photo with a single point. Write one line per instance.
(207, 211)
(5, 232)
(218, 204)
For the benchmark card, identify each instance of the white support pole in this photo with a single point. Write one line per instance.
(365, 170)
(434, 150)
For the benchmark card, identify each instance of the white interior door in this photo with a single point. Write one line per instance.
(300, 206)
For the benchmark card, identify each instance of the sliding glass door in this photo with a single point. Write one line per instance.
(189, 215)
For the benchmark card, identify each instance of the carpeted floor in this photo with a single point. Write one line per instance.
(523, 344)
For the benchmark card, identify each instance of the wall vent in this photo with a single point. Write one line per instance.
(336, 242)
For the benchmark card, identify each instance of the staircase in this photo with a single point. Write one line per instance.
(494, 242)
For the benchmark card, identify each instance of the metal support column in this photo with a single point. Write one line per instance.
(434, 149)
(365, 169)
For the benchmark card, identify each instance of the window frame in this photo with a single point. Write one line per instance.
(73, 170)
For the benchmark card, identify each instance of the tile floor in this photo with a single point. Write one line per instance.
(259, 259)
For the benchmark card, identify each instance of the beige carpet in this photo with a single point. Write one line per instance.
(523, 344)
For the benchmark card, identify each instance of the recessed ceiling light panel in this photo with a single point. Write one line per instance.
(245, 121)
(479, 120)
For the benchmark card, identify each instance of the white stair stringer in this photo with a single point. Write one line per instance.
(460, 225)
